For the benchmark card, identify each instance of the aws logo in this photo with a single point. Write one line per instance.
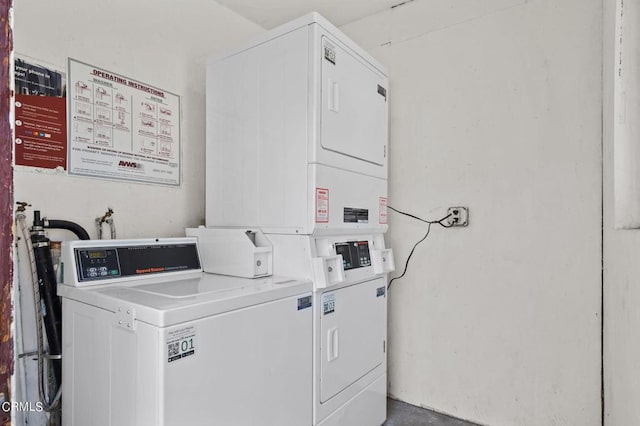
(130, 165)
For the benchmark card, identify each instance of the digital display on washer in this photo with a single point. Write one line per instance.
(97, 254)
(105, 263)
(355, 254)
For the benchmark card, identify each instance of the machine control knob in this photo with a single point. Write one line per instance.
(259, 263)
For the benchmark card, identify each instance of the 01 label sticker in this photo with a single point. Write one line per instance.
(181, 343)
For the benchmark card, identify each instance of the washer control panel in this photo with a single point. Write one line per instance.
(104, 262)
(97, 263)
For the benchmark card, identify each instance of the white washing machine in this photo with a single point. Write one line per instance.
(148, 339)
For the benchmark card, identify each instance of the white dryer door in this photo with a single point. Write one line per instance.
(354, 106)
(353, 323)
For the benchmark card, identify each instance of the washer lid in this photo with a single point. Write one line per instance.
(172, 301)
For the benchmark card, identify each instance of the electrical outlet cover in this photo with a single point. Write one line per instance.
(459, 216)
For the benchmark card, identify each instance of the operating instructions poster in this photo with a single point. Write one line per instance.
(121, 128)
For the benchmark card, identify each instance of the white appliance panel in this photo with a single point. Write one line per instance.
(108, 377)
(354, 105)
(231, 116)
(368, 407)
(345, 189)
(256, 135)
(259, 354)
(352, 335)
(265, 369)
(82, 392)
(268, 121)
(239, 252)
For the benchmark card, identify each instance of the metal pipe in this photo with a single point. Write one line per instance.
(112, 227)
(99, 227)
(106, 218)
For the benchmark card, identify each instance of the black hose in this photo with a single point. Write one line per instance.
(52, 311)
(80, 232)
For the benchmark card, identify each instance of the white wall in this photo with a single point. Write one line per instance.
(621, 246)
(163, 43)
(622, 64)
(496, 105)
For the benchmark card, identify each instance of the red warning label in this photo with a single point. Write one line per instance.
(322, 205)
(383, 211)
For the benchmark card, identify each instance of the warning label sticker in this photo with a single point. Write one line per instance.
(181, 343)
(322, 205)
(383, 211)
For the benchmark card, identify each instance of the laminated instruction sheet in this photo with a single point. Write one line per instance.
(120, 128)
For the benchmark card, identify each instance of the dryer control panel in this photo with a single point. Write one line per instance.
(355, 254)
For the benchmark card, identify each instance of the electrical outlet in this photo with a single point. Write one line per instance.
(458, 216)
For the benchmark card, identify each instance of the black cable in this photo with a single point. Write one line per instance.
(406, 264)
(429, 223)
(439, 222)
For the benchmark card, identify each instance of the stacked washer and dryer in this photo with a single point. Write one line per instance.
(296, 186)
(297, 142)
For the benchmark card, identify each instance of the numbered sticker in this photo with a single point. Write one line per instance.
(181, 343)
(304, 302)
(328, 303)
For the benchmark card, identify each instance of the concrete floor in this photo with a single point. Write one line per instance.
(403, 414)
